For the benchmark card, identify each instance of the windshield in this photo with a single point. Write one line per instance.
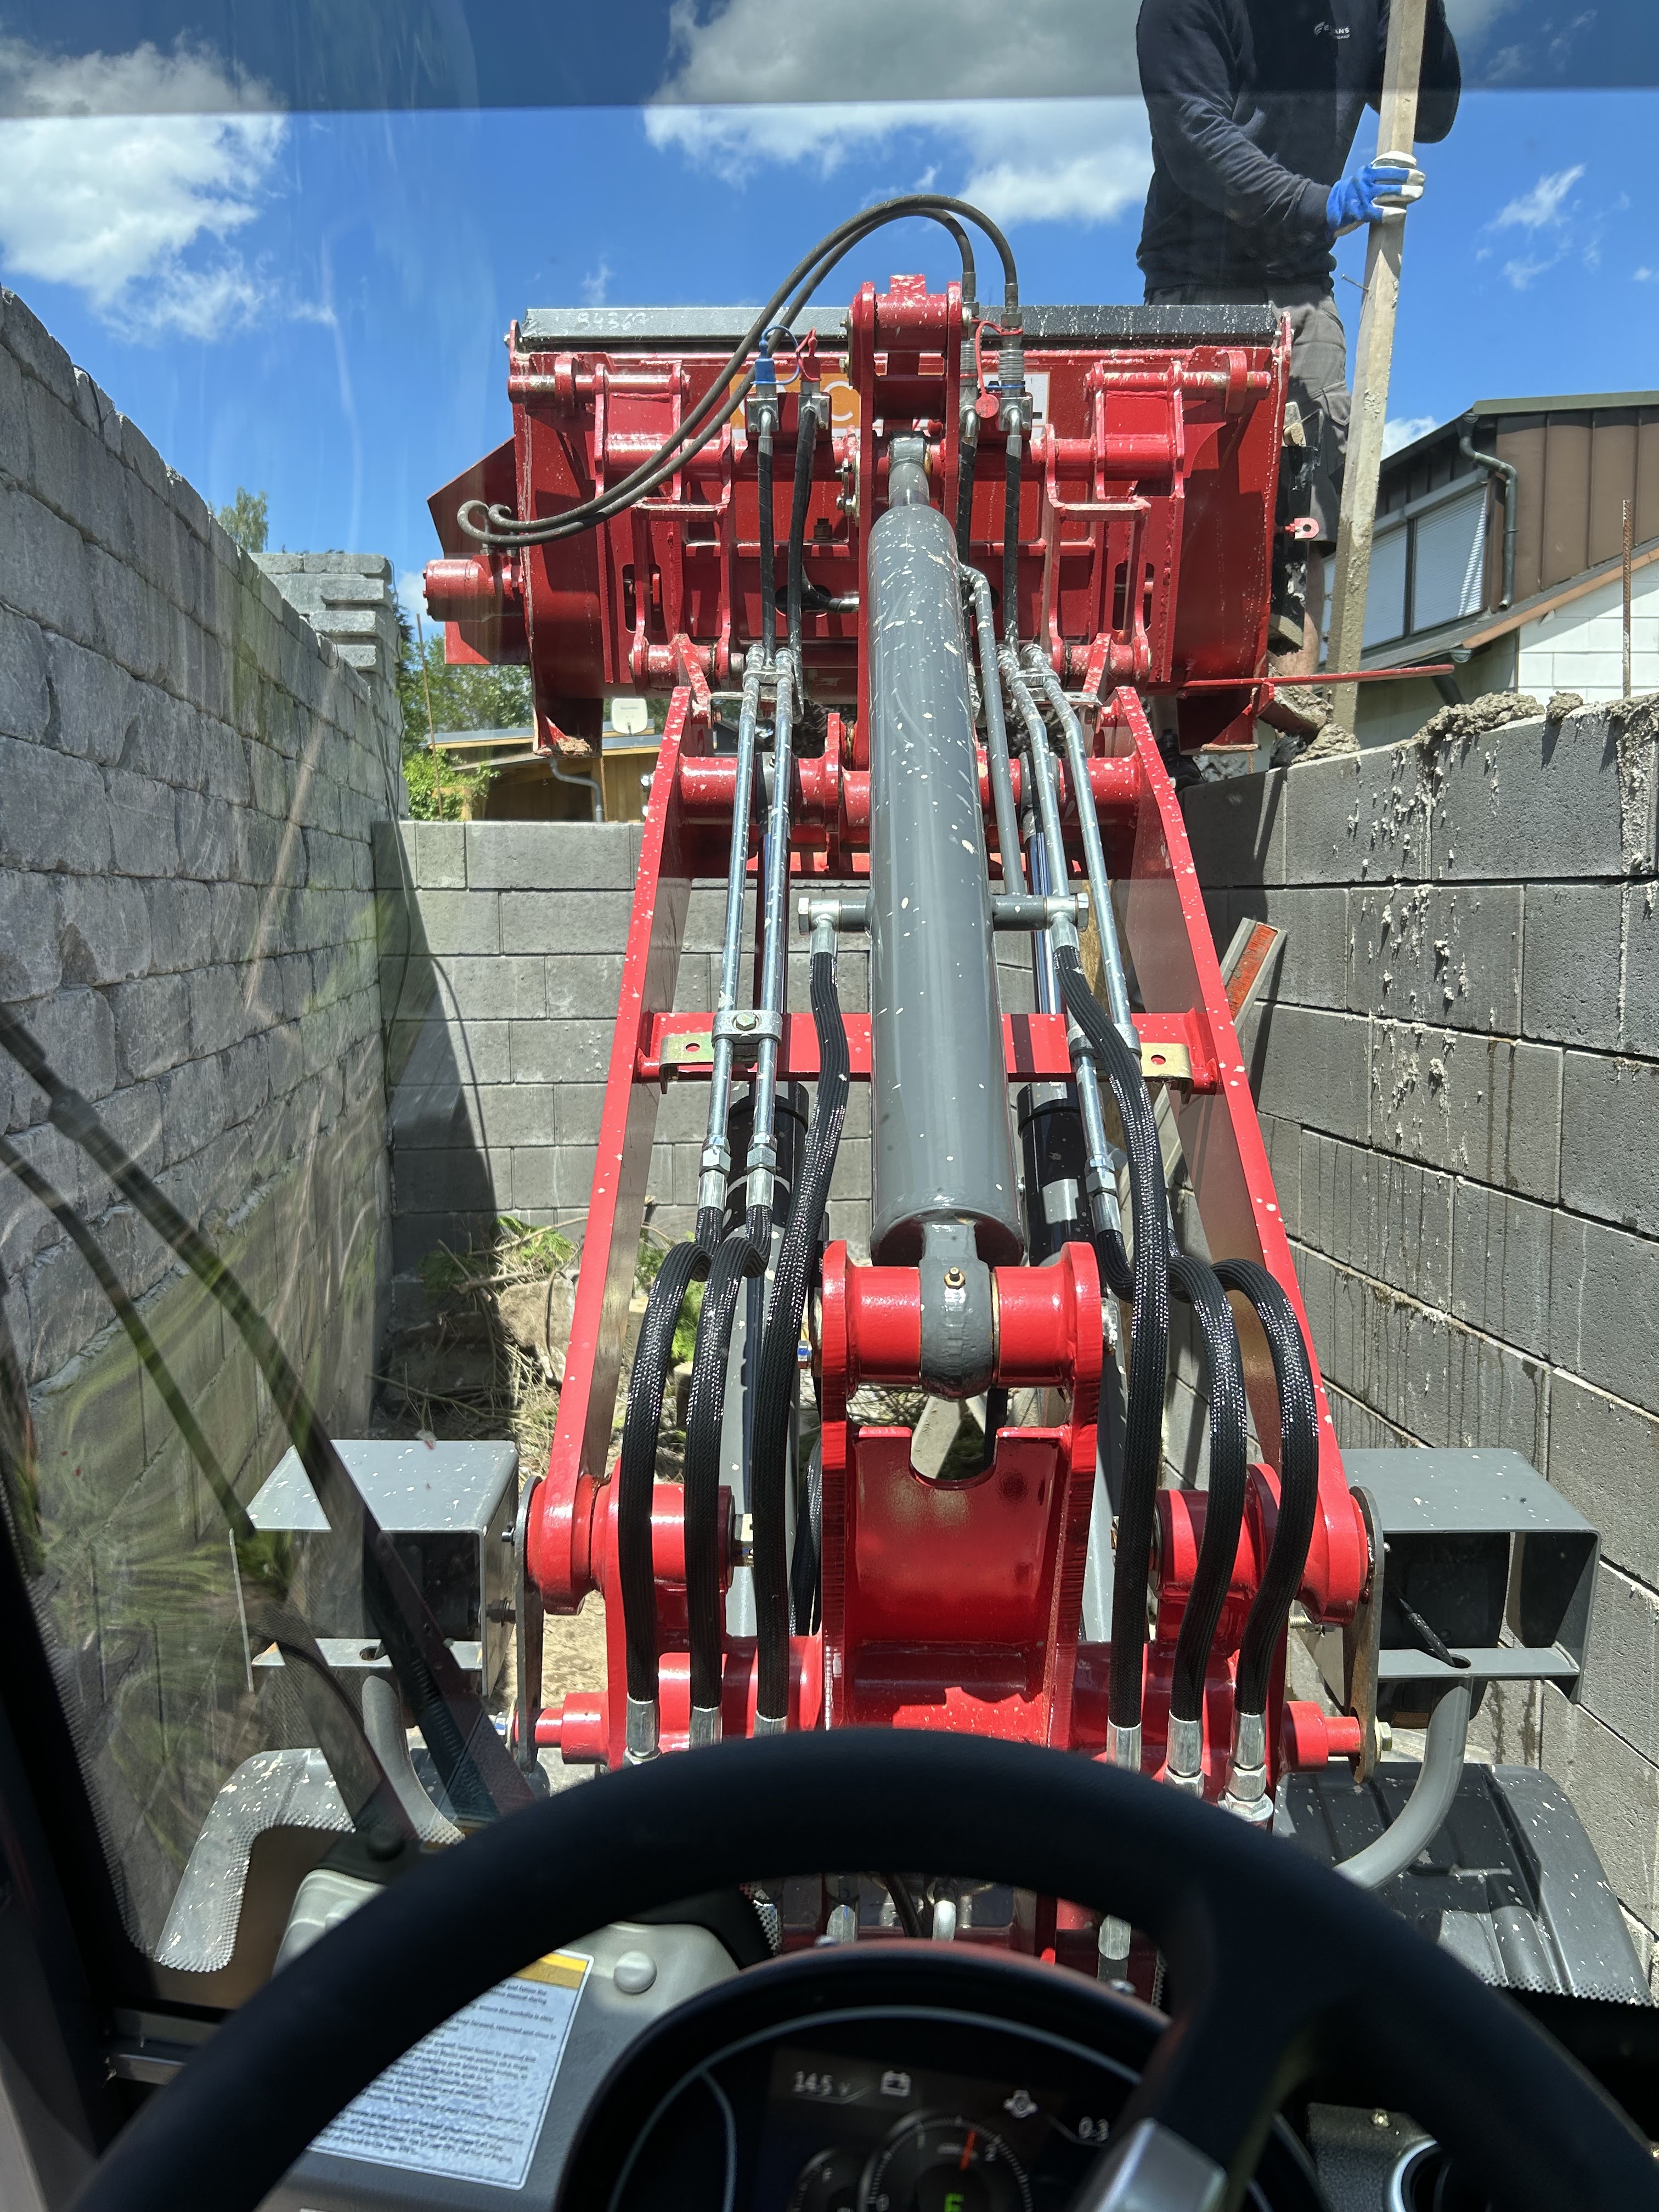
(318, 874)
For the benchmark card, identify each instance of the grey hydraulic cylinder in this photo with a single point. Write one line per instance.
(944, 1148)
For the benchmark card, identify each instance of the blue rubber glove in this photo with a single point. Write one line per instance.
(1383, 188)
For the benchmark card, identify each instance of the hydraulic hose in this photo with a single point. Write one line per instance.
(636, 1473)
(806, 442)
(495, 527)
(806, 1560)
(768, 549)
(740, 1256)
(478, 1772)
(1147, 1281)
(996, 734)
(966, 454)
(1298, 1477)
(1011, 542)
(1224, 1515)
(797, 1257)
(1423, 1813)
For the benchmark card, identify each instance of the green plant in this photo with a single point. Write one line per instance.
(247, 519)
(435, 696)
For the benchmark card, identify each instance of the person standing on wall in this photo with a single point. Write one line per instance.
(1253, 106)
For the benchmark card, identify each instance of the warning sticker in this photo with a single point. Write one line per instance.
(468, 2102)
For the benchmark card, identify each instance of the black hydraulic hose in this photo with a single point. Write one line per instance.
(1229, 1472)
(1011, 542)
(776, 1387)
(996, 1416)
(966, 454)
(996, 736)
(768, 548)
(742, 1254)
(806, 442)
(1298, 1476)
(905, 1910)
(500, 528)
(636, 1468)
(478, 1772)
(806, 1560)
(1148, 1282)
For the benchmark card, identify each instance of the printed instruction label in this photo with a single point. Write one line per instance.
(467, 2102)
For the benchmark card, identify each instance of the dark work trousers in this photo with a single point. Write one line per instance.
(1319, 375)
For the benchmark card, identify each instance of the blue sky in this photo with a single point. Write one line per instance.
(314, 304)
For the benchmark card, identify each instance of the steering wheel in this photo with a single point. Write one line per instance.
(1282, 1972)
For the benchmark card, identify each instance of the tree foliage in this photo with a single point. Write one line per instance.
(247, 519)
(435, 696)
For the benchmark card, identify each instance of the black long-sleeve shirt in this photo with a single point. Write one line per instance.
(1254, 107)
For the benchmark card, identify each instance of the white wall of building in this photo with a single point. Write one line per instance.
(1579, 648)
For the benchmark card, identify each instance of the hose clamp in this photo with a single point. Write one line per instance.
(744, 1029)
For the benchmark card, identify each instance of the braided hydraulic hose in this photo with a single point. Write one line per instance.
(1011, 542)
(1148, 1282)
(1298, 1476)
(741, 1255)
(797, 1257)
(636, 1475)
(806, 1560)
(1224, 1513)
(806, 442)
(495, 527)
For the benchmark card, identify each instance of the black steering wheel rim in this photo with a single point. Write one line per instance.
(1281, 1969)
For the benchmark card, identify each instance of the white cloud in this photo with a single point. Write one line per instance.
(1404, 430)
(1032, 161)
(1525, 270)
(1646, 277)
(1542, 208)
(596, 285)
(866, 51)
(758, 83)
(114, 180)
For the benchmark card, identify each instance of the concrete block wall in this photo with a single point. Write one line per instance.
(189, 773)
(501, 947)
(1458, 1072)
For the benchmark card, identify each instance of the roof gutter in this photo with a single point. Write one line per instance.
(1506, 472)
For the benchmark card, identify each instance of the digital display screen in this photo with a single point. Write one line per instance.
(847, 2134)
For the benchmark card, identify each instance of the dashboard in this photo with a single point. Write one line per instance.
(849, 2082)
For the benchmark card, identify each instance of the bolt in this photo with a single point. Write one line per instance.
(955, 1279)
(1379, 2119)
(745, 1022)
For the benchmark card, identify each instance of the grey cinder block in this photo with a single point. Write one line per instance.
(549, 856)
(1610, 1139)
(1539, 799)
(1359, 817)
(1571, 962)
(1236, 829)
(1315, 1066)
(1604, 1307)
(1482, 1107)
(1501, 1267)
(1451, 958)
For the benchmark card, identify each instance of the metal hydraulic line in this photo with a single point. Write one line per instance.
(775, 866)
(716, 1165)
(1094, 854)
(1049, 851)
(742, 1254)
